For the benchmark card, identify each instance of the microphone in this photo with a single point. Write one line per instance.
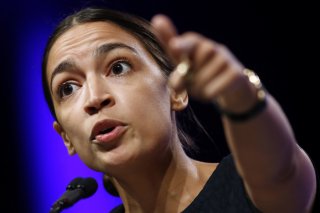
(109, 187)
(78, 188)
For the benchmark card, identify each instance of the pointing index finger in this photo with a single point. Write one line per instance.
(165, 31)
(164, 27)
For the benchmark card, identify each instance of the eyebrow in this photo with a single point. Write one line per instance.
(105, 48)
(68, 65)
(64, 66)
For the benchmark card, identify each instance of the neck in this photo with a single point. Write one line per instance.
(170, 186)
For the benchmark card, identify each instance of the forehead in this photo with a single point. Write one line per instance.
(85, 38)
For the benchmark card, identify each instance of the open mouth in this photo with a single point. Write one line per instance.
(106, 130)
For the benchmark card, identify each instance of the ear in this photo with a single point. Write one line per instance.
(65, 138)
(179, 100)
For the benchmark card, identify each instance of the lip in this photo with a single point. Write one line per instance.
(99, 135)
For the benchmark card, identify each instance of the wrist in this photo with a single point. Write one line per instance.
(251, 104)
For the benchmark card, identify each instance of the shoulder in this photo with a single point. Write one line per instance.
(225, 175)
(223, 192)
(209, 170)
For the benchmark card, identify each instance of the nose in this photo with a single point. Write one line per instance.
(98, 98)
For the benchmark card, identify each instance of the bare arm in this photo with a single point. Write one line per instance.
(277, 173)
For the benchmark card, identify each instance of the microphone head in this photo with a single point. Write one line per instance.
(78, 188)
(88, 185)
(73, 184)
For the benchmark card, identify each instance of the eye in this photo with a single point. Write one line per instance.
(67, 89)
(120, 68)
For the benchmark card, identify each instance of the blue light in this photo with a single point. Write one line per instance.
(49, 166)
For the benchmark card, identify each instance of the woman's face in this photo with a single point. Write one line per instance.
(110, 97)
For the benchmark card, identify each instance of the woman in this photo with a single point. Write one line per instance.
(115, 86)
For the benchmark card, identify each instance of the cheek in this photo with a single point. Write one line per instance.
(70, 117)
(150, 110)
(79, 138)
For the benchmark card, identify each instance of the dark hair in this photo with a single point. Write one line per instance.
(138, 27)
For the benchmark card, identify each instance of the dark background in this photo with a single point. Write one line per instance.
(277, 40)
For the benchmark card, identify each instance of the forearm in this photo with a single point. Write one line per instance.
(270, 161)
(267, 138)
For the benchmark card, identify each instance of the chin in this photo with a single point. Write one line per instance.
(116, 160)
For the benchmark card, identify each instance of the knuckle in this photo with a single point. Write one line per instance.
(209, 47)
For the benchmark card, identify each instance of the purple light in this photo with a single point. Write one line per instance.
(50, 168)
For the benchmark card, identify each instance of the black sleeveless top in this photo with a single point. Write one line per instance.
(223, 193)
